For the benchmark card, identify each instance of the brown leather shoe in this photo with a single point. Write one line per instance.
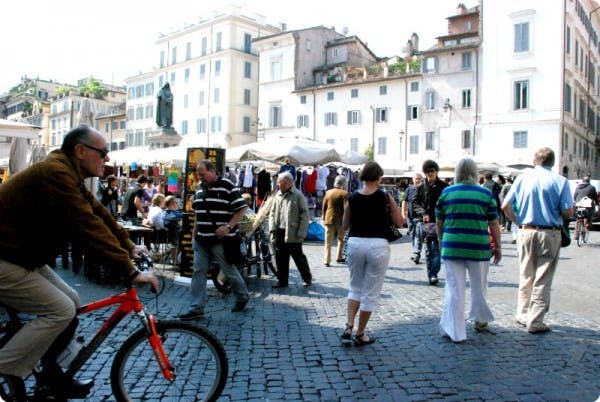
(539, 330)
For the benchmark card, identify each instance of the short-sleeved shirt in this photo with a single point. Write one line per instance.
(466, 210)
(538, 197)
(129, 210)
(214, 207)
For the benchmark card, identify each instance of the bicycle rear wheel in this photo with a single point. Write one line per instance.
(198, 359)
(585, 232)
(579, 232)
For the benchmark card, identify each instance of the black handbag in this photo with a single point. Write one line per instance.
(565, 236)
(392, 232)
(232, 246)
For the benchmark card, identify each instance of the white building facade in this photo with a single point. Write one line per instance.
(213, 74)
(539, 83)
(449, 91)
(140, 110)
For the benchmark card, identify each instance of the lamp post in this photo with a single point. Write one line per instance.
(400, 137)
(587, 126)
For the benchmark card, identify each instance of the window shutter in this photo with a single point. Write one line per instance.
(349, 116)
(525, 37)
(335, 119)
(378, 115)
(358, 117)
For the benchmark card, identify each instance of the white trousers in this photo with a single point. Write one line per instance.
(367, 259)
(452, 322)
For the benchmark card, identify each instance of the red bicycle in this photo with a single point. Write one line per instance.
(163, 360)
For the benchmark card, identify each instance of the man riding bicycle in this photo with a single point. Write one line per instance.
(583, 190)
(41, 209)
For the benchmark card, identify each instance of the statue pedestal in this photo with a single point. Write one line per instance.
(164, 137)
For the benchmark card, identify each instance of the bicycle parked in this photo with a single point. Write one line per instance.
(583, 213)
(168, 360)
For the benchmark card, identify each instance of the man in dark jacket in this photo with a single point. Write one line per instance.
(424, 200)
(42, 208)
(585, 189)
(133, 201)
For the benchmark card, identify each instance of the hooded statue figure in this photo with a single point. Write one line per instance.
(164, 107)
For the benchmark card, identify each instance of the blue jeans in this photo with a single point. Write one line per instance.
(432, 255)
(204, 255)
(417, 236)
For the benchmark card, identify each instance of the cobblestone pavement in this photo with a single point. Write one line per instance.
(285, 345)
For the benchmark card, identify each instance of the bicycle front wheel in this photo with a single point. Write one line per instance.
(198, 360)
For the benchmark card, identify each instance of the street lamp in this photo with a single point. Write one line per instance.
(400, 137)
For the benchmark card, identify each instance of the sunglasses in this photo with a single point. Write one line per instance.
(101, 151)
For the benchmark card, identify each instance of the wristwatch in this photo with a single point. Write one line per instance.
(228, 226)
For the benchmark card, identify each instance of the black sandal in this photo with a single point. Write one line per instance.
(347, 334)
(359, 341)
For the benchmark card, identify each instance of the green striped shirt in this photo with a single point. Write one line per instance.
(466, 210)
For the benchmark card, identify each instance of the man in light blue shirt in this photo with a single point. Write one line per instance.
(538, 202)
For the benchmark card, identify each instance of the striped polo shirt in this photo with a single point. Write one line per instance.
(214, 205)
(466, 210)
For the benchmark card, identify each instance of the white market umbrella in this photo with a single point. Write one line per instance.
(86, 113)
(18, 155)
(300, 152)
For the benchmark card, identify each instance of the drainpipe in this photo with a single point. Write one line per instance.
(405, 120)
(476, 100)
(587, 126)
(562, 109)
(314, 115)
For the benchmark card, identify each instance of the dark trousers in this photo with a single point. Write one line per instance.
(283, 251)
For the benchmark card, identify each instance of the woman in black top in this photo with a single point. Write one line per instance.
(366, 215)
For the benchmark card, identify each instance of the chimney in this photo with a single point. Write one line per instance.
(461, 9)
(409, 48)
(283, 26)
(414, 38)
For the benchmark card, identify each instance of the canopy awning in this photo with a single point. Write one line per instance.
(18, 130)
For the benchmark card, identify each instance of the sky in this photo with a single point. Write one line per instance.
(66, 40)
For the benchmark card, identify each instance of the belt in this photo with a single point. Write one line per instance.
(538, 227)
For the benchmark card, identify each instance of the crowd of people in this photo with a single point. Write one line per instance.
(458, 223)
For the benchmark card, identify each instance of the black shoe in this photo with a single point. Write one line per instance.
(433, 280)
(327, 264)
(12, 388)
(306, 284)
(279, 286)
(53, 384)
(191, 315)
(341, 261)
(239, 306)
(359, 340)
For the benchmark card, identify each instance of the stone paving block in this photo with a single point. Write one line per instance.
(286, 345)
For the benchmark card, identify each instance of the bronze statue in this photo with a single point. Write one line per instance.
(164, 107)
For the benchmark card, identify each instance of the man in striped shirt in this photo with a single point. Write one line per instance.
(219, 207)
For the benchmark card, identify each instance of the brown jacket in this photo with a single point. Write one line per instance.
(333, 206)
(46, 205)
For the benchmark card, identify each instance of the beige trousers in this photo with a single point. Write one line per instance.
(538, 256)
(41, 293)
(330, 233)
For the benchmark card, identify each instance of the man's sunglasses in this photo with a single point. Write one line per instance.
(101, 151)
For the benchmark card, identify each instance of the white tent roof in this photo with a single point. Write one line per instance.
(19, 130)
(144, 156)
(300, 152)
